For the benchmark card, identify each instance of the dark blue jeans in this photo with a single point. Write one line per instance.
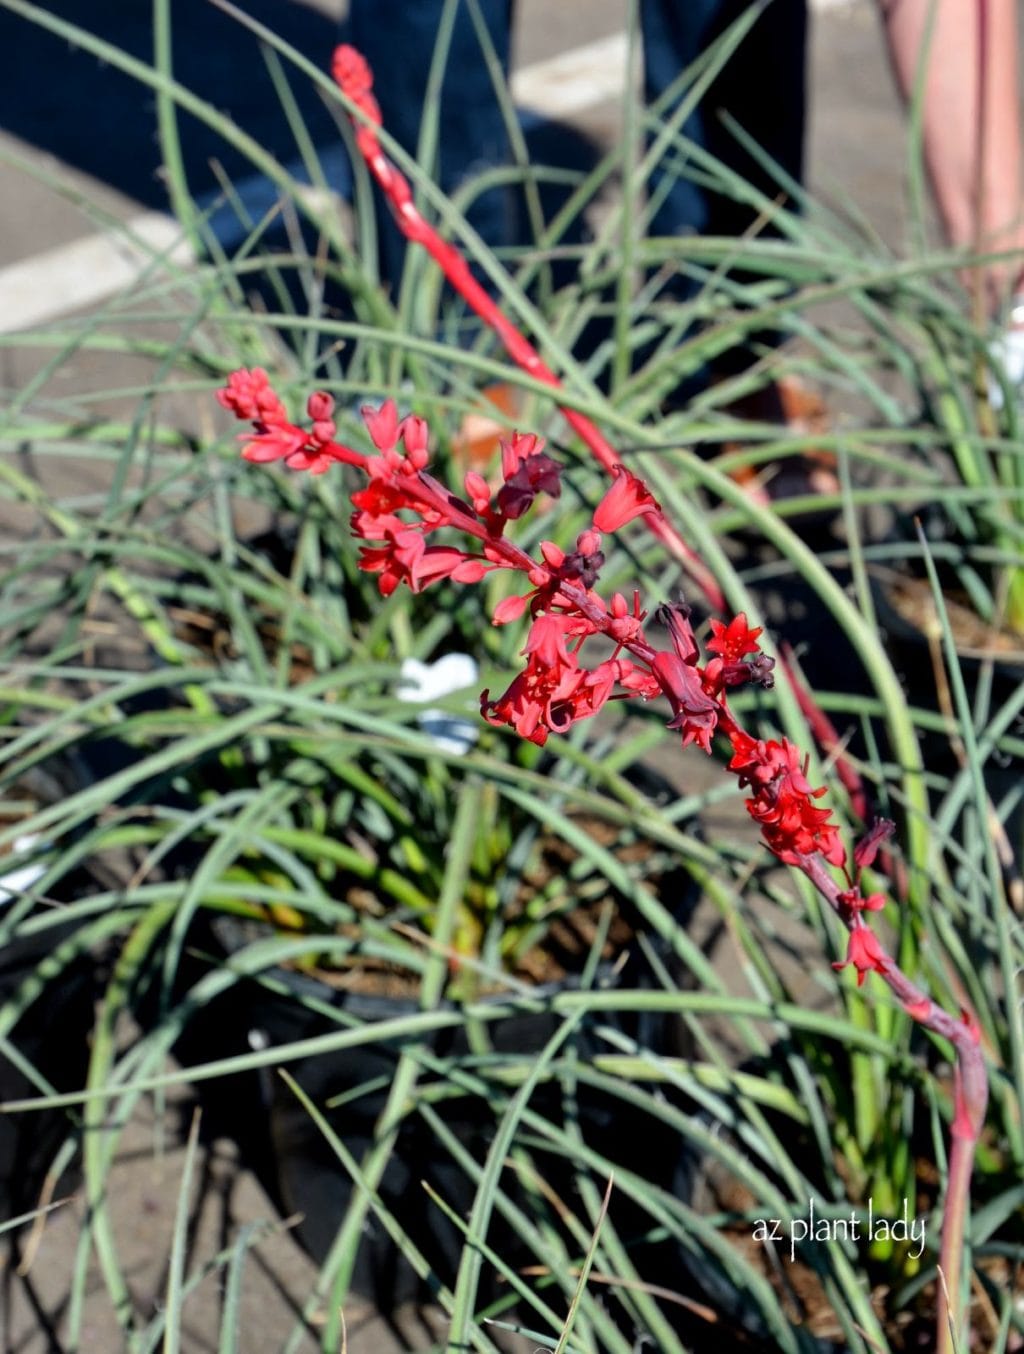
(762, 86)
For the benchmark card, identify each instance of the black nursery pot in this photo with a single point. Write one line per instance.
(51, 1034)
(310, 1180)
(51, 1037)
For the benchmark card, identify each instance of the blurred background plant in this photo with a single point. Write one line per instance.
(237, 824)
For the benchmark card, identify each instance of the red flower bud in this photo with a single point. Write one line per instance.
(320, 406)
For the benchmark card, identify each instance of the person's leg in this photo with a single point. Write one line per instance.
(972, 123)
(397, 37)
(761, 86)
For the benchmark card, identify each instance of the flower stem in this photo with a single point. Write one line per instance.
(417, 229)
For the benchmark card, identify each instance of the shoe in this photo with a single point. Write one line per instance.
(789, 404)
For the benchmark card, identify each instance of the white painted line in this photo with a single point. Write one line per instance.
(573, 81)
(41, 288)
(90, 270)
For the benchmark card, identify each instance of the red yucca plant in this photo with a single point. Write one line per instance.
(418, 532)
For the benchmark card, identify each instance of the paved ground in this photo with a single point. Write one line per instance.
(66, 115)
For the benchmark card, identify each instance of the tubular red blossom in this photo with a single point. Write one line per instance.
(625, 626)
(696, 693)
(279, 442)
(320, 406)
(694, 713)
(554, 691)
(865, 953)
(870, 844)
(538, 702)
(547, 640)
(676, 619)
(518, 449)
(383, 560)
(509, 609)
(477, 492)
(352, 72)
(406, 558)
(731, 644)
(382, 425)
(443, 561)
(354, 78)
(376, 508)
(628, 497)
(413, 430)
(639, 681)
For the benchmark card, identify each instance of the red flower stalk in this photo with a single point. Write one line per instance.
(355, 79)
(400, 510)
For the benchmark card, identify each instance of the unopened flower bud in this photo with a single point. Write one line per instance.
(320, 406)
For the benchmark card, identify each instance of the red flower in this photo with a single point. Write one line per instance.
(855, 900)
(782, 800)
(553, 691)
(376, 506)
(351, 71)
(628, 497)
(547, 641)
(509, 609)
(694, 713)
(382, 425)
(734, 640)
(730, 667)
(625, 626)
(516, 450)
(248, 395)
(527, 471)
(871, 843)
(278, 442)
(865, 953)
(406, 558)
(538, 701)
